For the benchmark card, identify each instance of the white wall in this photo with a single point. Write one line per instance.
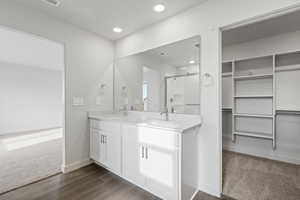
(287, 126)
(30, 50)
(31, 98)
(87, 57)
(204, 20)
(31, 83)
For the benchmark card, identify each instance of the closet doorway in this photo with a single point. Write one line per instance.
(261, 109)
(31, 108)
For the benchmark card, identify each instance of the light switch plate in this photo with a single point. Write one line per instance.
(78, 101)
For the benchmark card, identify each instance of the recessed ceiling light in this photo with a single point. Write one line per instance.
(192, 62)
(159, 8)
(117, 30)
(55, 3)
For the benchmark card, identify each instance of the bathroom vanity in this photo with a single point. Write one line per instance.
(157, 155)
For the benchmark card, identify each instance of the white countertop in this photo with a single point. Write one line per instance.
(177, 122)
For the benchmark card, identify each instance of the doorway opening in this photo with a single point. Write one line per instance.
(261, 110)
(31, 108)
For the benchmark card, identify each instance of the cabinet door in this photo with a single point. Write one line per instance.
(94, 144)
(161, 169)
(132, 155)
(103, 148)
(113, 150)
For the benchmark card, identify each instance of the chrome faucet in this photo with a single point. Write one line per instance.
(123, 109)
(166, 112)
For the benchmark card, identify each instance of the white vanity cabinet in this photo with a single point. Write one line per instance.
(150, 160)
(160, 160)
(105, 144)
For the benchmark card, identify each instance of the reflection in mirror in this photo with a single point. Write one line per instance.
(158, 79)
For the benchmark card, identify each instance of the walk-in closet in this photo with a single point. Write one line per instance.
(261, 107)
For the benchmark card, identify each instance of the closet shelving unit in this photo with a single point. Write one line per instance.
(288, 72)
(252, 85)
(254, 88)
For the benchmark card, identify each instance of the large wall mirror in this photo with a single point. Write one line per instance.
(160, 78)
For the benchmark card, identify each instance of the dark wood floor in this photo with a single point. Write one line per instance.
(88, 183)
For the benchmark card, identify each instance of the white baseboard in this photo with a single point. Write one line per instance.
(194, 195)
(75, 165)
(209, 190)
(29, 131)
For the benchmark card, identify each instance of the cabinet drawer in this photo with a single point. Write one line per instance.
(109, 126)
(158, 138)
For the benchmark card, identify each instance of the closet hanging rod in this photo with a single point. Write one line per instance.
(255, 135)
(288, 112)
(250, 77)
(287, 68)
(253, 96)
(225, 74)
(181, 75)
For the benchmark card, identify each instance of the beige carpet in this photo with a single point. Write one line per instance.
(250, 178)
(25, 158)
